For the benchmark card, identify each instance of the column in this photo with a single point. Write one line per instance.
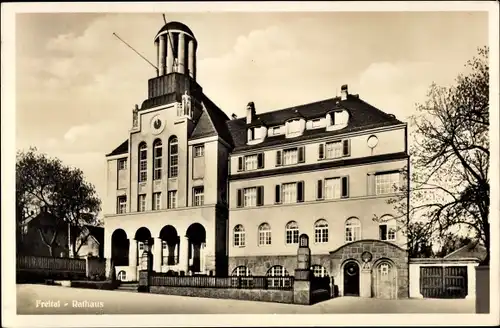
(170, 52)
(191, 59)
(181, 50)
(183, 256)
(161, 55)
(176, 254)
(202, 258)
(365, 283)
(157, 258)
(132, 260)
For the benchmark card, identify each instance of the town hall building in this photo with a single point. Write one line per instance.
(208, 194)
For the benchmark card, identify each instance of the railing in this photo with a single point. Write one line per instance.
(50, 267)
(251, 282)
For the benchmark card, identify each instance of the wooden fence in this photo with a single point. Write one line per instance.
(41, 267)
(251, 282)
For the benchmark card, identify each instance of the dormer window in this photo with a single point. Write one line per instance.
(316, 123)
(294, 127)
(256, 134)
(337, 120)
(275, 130)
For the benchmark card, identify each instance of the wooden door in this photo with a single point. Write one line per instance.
(385, 281)
(351, 279)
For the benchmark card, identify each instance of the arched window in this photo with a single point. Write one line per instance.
(241, 271)
(321, 231)
(239, 236)
(352, 230)
(292, 232)
(319, 271)
(388, 228)
(173, 169)
(278, 277)
(264, 234)
(157, 159)
(143, 162)
(122, 276)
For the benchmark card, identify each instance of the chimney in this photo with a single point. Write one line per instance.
(233, 116)
(343, 92)
(250, 112)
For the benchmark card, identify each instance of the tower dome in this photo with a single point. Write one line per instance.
(176, 50)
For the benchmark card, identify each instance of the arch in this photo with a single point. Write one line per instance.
(368, 240)
(239, 236)
(143, 161)
(321, 231)
(241, 271)
(196, 235)
(277, 271)
(121, 276)
(143, 234)
(170, 240)
(352, 229)
(277, 276)
(120, 245)
(385, 279)
(169, 234)
(350, 277)
(319, 271)
(157, 159)
(265, 234)
(173, 153)
(292, 233)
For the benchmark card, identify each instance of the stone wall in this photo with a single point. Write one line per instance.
(259, 265)
(279, 296)
(379, 250)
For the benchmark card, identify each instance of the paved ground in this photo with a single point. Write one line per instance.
(86, 301)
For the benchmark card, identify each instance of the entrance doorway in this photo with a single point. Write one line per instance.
(351, 279)
(385, 280)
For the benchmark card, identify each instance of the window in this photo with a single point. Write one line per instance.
(293, 127)
(140, 247)
(249, 197)
(199, 151)
(122, 205)
(141, 203)
(278, 277)
(264, 234)
(289, 193)
(172, 199)
(164, 245)
(143, 162)
(198, 196)
(239, 236)
(387, 228)
(386, 183)
(255, 134)
(316, 123)
(290, 156)
(319, 271)
(275, 130)
(241, 271)
(334, 188)
(292, 232)
(156, 201)
(122, 276)
(157, 160)
(384, 269)
(352, 230)
(122, 164)
(321, 231)
(339, 118)
(173, 169)
(250, 162)
(335, 149)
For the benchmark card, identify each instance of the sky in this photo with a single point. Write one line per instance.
(76, 84)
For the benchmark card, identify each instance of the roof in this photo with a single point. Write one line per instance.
(121, 149)
(472, 250)
(97, 233)
(175, 26)
(212, 122)
(362, 116)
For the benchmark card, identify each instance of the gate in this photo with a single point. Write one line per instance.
(443, 282)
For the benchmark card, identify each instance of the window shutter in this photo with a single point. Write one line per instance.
(277, 194)
(319, 194)
(370, 184)
(346, 147)
(300, 191)
(278, 158)
(240, 163)
(301, 155)
(383, 232)
(260, 160)
(321, 151)
(345, 187)
(239, 198)
(260, 195)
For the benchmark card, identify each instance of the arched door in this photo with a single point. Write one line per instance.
(385, 280)
(351, 279)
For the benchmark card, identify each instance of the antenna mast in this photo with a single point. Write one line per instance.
(169, 40)
(128, 45)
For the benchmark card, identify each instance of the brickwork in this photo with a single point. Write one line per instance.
(259, 265)
(380, 250)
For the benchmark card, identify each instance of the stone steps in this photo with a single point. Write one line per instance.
(128, 287)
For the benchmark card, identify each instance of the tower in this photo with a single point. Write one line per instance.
(176, 48)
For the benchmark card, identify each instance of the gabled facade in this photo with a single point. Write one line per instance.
(209, 194)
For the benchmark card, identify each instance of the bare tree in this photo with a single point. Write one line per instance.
(449, 184)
